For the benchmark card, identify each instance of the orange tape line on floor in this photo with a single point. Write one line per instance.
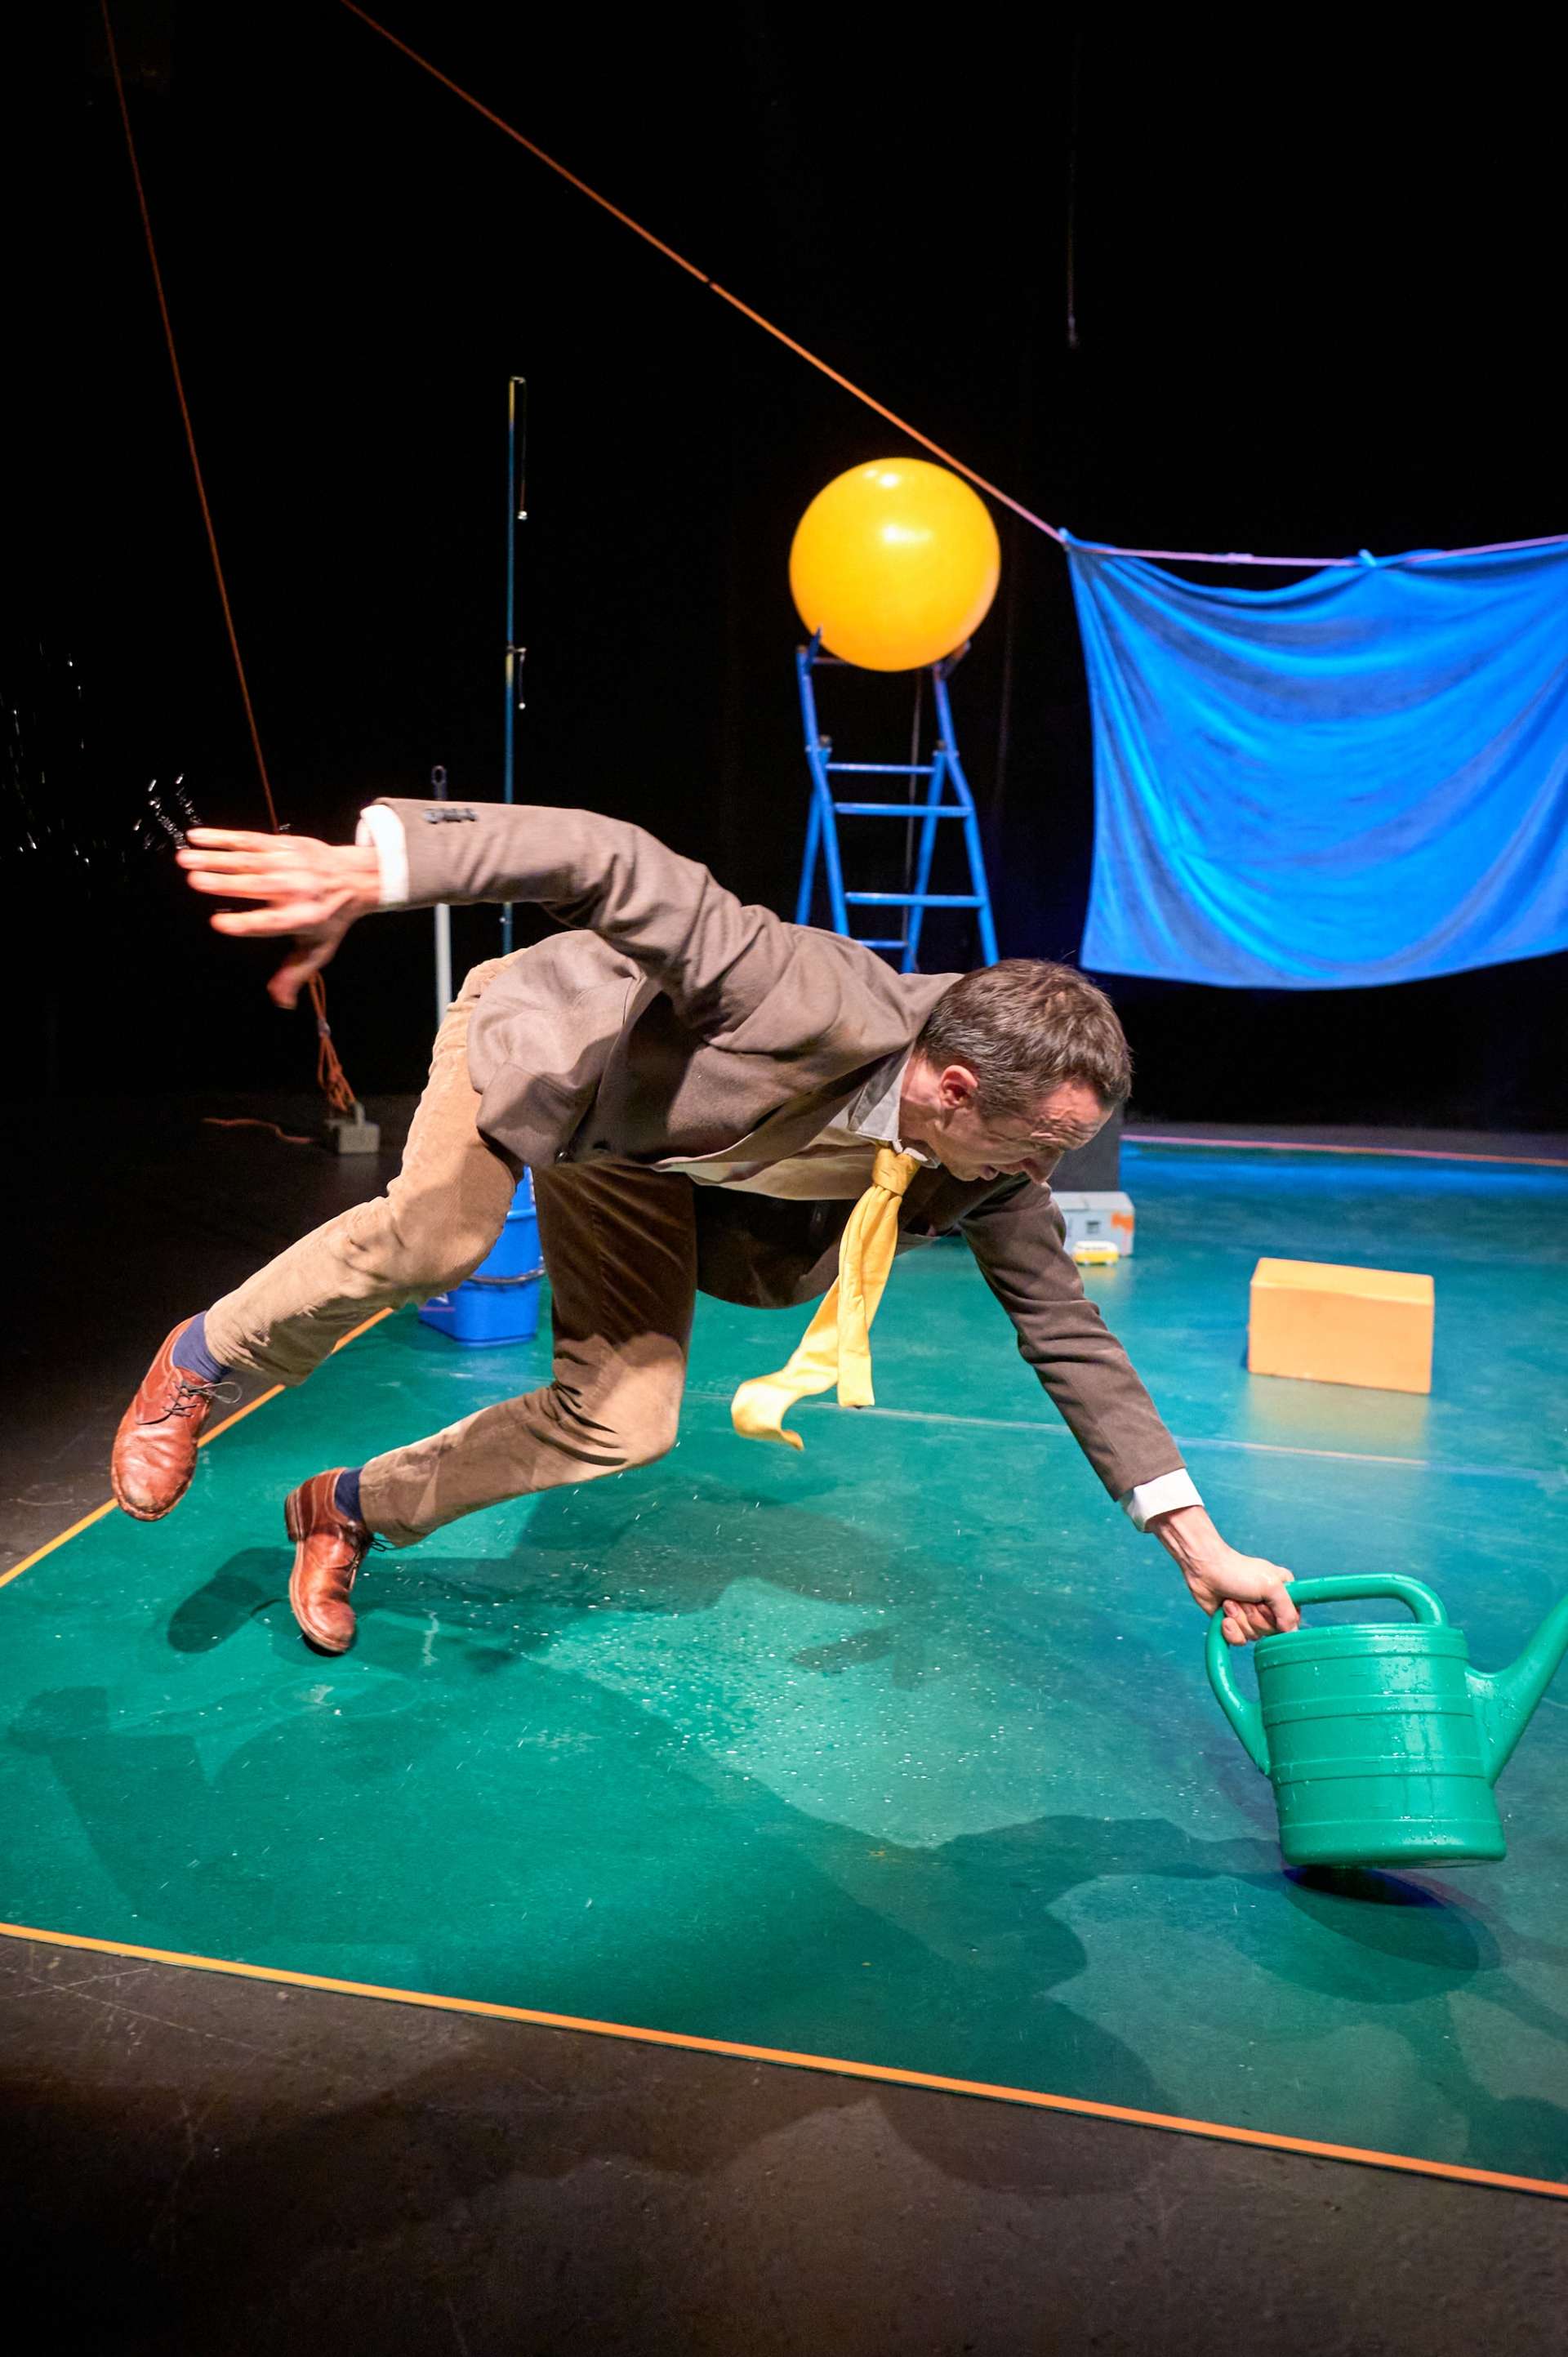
(884, 2075)
(108, 1507)
(49, 1545)
(1305, 1146)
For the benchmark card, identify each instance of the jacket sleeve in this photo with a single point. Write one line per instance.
(1019, 1239)
(713, 956)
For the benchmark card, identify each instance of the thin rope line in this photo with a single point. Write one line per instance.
(1003, 499)
(1315, 564)
(331, 1078)
(533, 149)
(1229, 556)
(802, 351)
(992, 490)
(1486, 548)
(186, 420)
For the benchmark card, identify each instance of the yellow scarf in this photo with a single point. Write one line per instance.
(836, 1345)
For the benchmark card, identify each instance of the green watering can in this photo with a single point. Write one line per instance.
(1381, 1742)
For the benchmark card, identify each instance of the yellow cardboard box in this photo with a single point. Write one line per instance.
(1332, 1325)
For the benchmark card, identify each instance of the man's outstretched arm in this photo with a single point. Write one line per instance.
(715, 957)
(312, 892)
(1253, 1592)
(1018, 1238)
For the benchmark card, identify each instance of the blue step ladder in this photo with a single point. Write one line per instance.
(946, 797)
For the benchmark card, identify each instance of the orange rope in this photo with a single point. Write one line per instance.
(251, 1121)
(1003, 499)
(329, 1073)
(992, 490)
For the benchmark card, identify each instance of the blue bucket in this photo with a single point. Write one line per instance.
(499, 1302)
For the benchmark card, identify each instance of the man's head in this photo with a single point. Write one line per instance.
(1016, 1064)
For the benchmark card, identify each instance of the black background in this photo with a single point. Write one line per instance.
(1316, 296)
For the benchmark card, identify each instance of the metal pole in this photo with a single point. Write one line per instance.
(914, 916)
(979, 883)
(804, 657)
(442, 924)
(516, 513)
(914, 763)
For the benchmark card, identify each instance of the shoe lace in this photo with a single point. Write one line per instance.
(191, 1392)
(374, 1546)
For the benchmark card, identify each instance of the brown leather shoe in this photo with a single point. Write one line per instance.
(329, 1550)
(155, 1450)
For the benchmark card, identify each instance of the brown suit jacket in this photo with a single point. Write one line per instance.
(675, 1021)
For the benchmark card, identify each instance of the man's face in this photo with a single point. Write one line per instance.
(974, 1145)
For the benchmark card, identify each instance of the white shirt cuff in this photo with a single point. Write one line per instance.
(382, 829)
(1161, 1497)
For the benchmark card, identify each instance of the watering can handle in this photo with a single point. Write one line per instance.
(1394, 1585)
(1245, 1717)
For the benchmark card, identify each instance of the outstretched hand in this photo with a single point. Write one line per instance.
(1252, 1594)
(312, 891)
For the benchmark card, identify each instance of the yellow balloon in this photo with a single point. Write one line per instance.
(895, 563)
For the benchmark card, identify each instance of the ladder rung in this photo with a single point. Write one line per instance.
(899, 810)
(866, 943)
(886, 768)
(914, 899)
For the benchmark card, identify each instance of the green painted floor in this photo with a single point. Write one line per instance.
(900, 1750)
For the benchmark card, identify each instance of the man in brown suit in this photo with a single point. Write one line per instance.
(702, 1091)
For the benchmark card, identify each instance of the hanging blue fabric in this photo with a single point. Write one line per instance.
(1359, 779)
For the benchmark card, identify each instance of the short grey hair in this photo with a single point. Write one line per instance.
(1022, 1026)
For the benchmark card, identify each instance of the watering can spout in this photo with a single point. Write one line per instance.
(1506, 1701)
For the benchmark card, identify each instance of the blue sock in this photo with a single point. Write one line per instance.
(345, 1496)
(191, 1354)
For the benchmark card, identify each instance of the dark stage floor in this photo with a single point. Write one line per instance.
(194, 2160)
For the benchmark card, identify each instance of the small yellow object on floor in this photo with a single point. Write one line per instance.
(1332, 1325)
